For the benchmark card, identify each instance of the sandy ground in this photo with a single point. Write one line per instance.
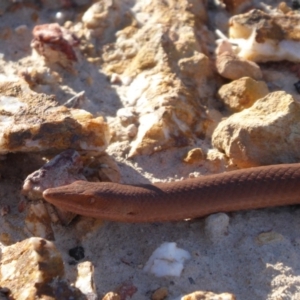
(236, 263)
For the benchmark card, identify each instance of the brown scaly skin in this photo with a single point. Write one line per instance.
(251, 188)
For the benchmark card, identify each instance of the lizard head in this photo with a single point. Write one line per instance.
(82, 197)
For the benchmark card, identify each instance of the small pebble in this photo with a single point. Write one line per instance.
(216, 226)
(194, 156)
(5, 209)
(115, 78)
(60, 17)
(6, 239)
(269, 237)
(111, 296)
(126, 290)
(160, 294)
(21, 29)
(206, 295)
(77, 252)
(194, 175)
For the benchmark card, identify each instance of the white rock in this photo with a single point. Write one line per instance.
(216, 226)
(85, 278)
(60, 17)
(167, 260)
(115, 78)
(21, 29)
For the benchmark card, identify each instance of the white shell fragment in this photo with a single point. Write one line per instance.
(167, 260)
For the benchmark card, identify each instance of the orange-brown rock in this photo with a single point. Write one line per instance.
(233, 67)
(160, 294)
(266, 133)
(194, 156)
(167, 69)
(203, 295)
(35, 122)
(242, 93)
(33, 269)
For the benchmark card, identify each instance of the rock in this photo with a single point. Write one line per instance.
(232, 67)
(101, 17)
(85, 227)
(111, 296)
(126, 290)
(77, 252)
(216, 226)
(31, 122)
(21, 29)
(168, 126)
(263, 37)
(242, 93)
(63, 169)
(115, 79)
(167, 260)
(284, 7)
(85, 280)
(194, 156)
(201, 295)
(101, 168)
(214, 117)
(55, 43)
(266, 133)
(216, 161)
(169, 71)
(6, 239)
(4, 210)
(37, 76)
(196, 66)
(38, 221)
(269, 237)
(160, 294)
(32, 268)
(96, 14)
